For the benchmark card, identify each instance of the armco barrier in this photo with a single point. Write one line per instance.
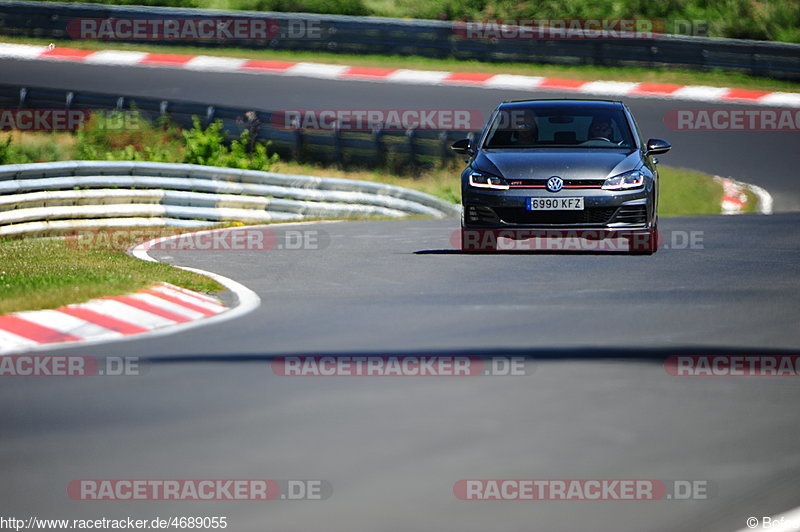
(372, 149)
(46, 197)
(429, 38)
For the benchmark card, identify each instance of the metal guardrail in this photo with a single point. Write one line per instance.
(42, 197)
(430, 38)
(369, 149)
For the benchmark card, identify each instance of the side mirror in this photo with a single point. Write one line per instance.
(656, 146)
(463, 146)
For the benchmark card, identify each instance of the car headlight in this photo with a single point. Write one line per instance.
(483, 180)
(632, 179)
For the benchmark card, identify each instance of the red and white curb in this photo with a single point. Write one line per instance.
(403, 76)
(734, 198)
(155, 311)
(106, 318)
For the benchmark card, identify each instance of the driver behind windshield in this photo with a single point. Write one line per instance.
(601, 128)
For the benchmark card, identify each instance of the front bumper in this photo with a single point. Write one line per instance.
(603, 209)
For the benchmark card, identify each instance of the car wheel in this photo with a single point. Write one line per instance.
(650, 245)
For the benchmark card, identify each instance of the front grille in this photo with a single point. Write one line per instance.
(631, 214)
(568, 183)
(596, 216)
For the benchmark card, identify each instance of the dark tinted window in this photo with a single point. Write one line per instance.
(560, 127)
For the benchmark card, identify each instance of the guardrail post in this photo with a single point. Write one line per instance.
(704, 61)
(337, 144)
(444, 149)
(411, 135)
(755, 68)
(297, 146)
(253, 127)
(380, 148)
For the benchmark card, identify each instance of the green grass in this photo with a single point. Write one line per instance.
(39, 273)
(752, 202)
(687, 193)
(589, 73)
(444, 183)
(683, 192)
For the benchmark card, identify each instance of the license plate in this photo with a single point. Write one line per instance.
(554, 204)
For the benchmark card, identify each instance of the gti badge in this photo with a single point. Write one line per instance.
(554, 184)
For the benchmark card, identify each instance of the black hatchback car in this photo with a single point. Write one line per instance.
(564, 169)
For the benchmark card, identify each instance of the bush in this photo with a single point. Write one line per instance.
(207, 146)
(127, 136)
(34, 148)
(118, 136)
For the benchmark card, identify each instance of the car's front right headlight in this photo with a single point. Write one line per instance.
(632, 179)
(484, 180)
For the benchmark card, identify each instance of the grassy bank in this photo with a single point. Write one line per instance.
(38, 273)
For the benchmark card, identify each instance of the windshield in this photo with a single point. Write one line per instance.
(559, 127)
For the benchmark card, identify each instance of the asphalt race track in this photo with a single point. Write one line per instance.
(594, 330)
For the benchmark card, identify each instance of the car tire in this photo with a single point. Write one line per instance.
(651, 244)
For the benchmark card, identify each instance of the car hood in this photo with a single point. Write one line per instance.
(565, 163)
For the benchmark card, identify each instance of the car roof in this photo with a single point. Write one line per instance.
(530, 104)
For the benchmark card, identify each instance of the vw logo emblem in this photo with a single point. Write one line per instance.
(554, 184)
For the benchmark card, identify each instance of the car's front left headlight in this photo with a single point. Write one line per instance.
(632, 179)
(484, 180)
